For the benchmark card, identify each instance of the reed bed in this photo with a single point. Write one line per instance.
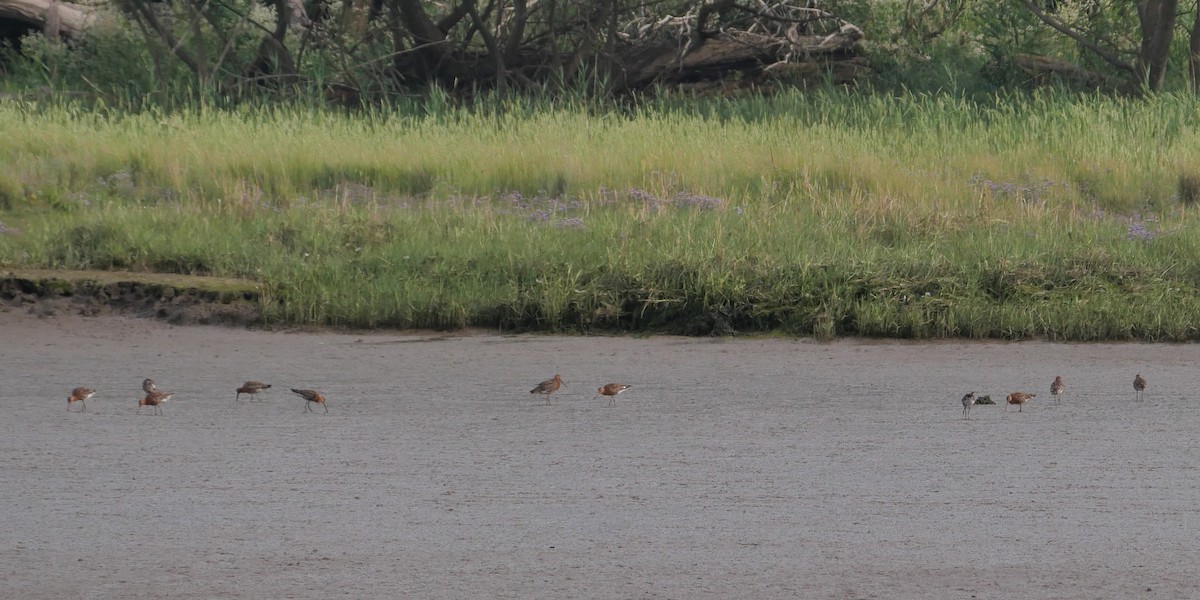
(821, 215)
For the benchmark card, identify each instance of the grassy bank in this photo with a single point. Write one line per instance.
(824, 215)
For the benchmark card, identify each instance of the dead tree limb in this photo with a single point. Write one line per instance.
(67, 19)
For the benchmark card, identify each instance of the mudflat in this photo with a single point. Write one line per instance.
(743, 468)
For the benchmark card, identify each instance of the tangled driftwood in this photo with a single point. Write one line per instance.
(780, 40)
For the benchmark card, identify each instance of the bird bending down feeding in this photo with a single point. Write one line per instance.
(968, 401)
(154, 398)
(611, 390)
(311, 396)
(251, 387)
(1019, 398)
(79, 394)
(1139, 385)
(1058, 388)
(548, 387)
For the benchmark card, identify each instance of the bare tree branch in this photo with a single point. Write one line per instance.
(141, 11)
(1072, 33)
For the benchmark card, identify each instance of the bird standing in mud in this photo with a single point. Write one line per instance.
(548, 387)
(1139, 385)
(251, 387)
(611, 390)
(80, 394)
(1019, 398)
(154, 398)
(311, 396)
(1058, 388)
(968, 401)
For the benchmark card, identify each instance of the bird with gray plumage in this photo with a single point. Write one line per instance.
(968, 401)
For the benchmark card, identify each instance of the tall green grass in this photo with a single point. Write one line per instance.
(820, 215)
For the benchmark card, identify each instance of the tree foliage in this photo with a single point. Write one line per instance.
(351, 50)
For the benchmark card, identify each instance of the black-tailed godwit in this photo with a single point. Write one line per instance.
(548, 387)
(79, 394)
(968, 401)
(611, 390)
(251, 387)
(311, 396)
(154, 398)
(1019, 398)
(1058, 388)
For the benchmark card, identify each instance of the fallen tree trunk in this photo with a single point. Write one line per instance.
(52, 16)
(807, 58)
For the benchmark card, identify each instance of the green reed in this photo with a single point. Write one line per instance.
(820, 215)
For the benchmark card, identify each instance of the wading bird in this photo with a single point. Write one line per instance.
(1058, 388)
(548, 387)
(154, 398)
(611, 390)
(79, 394)
(968, 401)
(251, 387)
(1139, 385)
(1019, 398)
(311, 396)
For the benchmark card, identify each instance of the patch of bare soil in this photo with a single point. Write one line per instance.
(179, 300)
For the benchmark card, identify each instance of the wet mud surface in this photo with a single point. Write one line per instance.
(732, 468)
